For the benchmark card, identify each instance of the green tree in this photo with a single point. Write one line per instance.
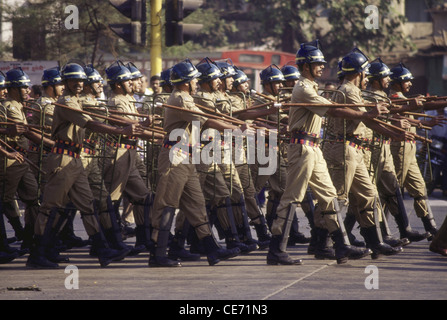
(42, 34)
(348, 29)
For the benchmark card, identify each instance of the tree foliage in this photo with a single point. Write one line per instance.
(348, 30)
(42, 34)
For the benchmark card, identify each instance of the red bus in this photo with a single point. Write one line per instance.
(253, 62)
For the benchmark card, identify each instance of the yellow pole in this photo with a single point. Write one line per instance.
(156, 61)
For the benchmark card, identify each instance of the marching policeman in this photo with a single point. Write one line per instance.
(308, 167)
(404, 154)
(178, 186)
(385, 177)
(18, 176)
(67, 179)
(345, 156)
(214, 173)
(121, 173)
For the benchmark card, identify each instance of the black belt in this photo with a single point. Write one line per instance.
(68, 148)
(311, 138)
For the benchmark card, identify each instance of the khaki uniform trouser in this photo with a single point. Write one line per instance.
(307, 167)
(18, 178)
(179, 187)
(350, 176)
(386, 179)
(67, 181)
(409, 175)
(97, 186)
(34, 158)
(277, 181)
(122, 176)
(219, 182)
(247, 183)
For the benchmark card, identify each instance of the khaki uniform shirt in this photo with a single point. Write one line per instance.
(123, 103)
(307, 119)
(69, 125)
(353, 96)
(46, 102)
(176, 119)
(88, 101)
(16, 113)
(223, 102)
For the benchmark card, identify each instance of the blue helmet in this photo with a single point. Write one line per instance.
(239, 78)
(378, 70)
(17, 78)
(309, 52)
(209, 70)
(2, 80)
(271, 74)
(355, 62)
(92, 74)
(134, 71)
(290, 72)
(117, 72)
(73, 71)
(51, 77)
(184, 72)
(226, 68)
(400, 73)
(165, 78)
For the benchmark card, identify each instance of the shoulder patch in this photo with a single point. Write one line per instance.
(303, 84)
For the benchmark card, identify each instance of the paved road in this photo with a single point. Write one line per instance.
(415, 273)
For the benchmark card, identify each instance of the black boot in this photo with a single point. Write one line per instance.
(105, 254)
(6, 257)
(403, 224)
(114, 235)
(264, 237)
(276, 256)
(6, 254)
(196, 246)
(430, 226)
(177, 249)
(373, 242)
(158, 255)
(313, 241)
(115, 241)
(406, 231)
(17, 227)
(295, 236)
(343, 251)
(28, 233)
(41, 245)
(232, 241)
(215, 253)
(390, 240)
(67, 235)
(349, 225)
(322, 250)
(38, 255)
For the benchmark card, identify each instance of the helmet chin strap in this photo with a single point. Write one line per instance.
(381, 85)
(95, 93)
(362, 77)
(401, 87)
(311, 70)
